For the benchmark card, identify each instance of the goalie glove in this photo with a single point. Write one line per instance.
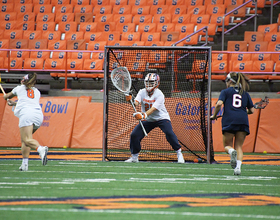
(140, 115)
(128, 98)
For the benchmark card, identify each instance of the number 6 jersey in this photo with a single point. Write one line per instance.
(156, 100)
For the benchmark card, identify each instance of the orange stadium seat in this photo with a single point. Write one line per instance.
(194, 2)
(51, 64)
(216, 2)
(263, 66)
(99, 2)
(2, 62)
(4, 44)
(261, 56)
(233, 2)
(83, 17)
(193, 40)
(74, 35)
(274, 47)
(96, 45)
(133, 43)
(67, 27)
(23, 8)
(26, 17)
(140, 10)
(41, 2)
(38, 44)
(102, 9)
(159, 9)
(93, 64)
(211, 28)
(118, 2)
(80, 55)
(6, 7)
(18, 44)
(123, 18)
(260, 4)
(215, 9)
(166, 27)
(126, 27)
(45, 26)
(60, 2)
(147, 27)
(183, 28)
(15, 63)
(177, 9)
(241, 12)
(154, 43)
(218, 19)
(156, 2)
(19, 54)
(45, 17)
(240, 57)
(104, 18)
(242, 66)
(253, 36)
(268, 28)
(42, 9)
(176, 2)
(197, 10)
(33, 63)
(219, 66)
(88, 27)
(106, 26)
(170, 36)
(51, 35)
(137, 2)
(147, 36)
(64, 9)
(182, 19)
(8, 16)
(97, 56)
(162, 18)
(136, 66)
(25, 25)
(140, 19)
(237, 46)
(122, 9)
(59, 55)
(75, 64)
(80, 2)
(277, 67)
(258, 46)
(113, 36)
(13, 34)
(200, 19)
(8, 25)
(57, 44)
(76, 44)
(272, 37)
(93, 36)
(64, 17)
(132, 36)
(84, 9)
(220, 56)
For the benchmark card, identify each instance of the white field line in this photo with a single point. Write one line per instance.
(224, 215)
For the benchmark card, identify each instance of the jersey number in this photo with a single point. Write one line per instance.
(236, 102)
(30, 93)
(148, 106)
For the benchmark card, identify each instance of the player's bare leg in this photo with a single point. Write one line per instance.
(239, 140)
(228, 144)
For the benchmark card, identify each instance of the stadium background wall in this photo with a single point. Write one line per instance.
(76, 122)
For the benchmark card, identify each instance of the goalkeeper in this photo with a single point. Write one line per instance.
(154, 114)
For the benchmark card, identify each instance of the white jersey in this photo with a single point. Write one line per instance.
(28, 108)
(156, 100)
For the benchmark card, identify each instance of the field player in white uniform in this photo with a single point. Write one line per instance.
(154, 114)
(30, 115)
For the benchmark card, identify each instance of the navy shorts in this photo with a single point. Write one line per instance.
(235, 128)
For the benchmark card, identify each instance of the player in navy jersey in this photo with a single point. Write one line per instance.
(155, 115)
(30, 115)
(235, 124)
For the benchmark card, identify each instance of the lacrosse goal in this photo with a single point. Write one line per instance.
(184, 80)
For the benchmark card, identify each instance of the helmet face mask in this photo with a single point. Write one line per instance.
(151, 82)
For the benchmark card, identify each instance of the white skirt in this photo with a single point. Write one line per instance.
(29, 117)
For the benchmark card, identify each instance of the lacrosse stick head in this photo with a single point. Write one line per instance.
(121, 79)
(262, 104)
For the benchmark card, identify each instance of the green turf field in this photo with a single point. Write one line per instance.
(82, 190)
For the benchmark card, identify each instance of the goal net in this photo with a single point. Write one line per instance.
(184, 80)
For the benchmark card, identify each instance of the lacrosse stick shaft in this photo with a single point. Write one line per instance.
(2, 89)
(144, 130)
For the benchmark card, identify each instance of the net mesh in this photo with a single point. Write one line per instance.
(183, 75)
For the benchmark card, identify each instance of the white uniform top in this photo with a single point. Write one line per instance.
(156, 100)
(28, 108)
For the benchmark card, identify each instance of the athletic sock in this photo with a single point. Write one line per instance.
(179, 151)
(25, 161)
(230, 150)
(238, 165)
(135, 156)
(38, 149)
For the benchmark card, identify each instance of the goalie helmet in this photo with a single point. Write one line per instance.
(151, 82)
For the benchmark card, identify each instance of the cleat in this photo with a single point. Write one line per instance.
(237, 171)
(23, 167)
(43, 154)
(132, 160)
(180, 158)
(233, 159)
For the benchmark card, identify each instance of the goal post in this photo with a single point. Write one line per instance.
(185, 80)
